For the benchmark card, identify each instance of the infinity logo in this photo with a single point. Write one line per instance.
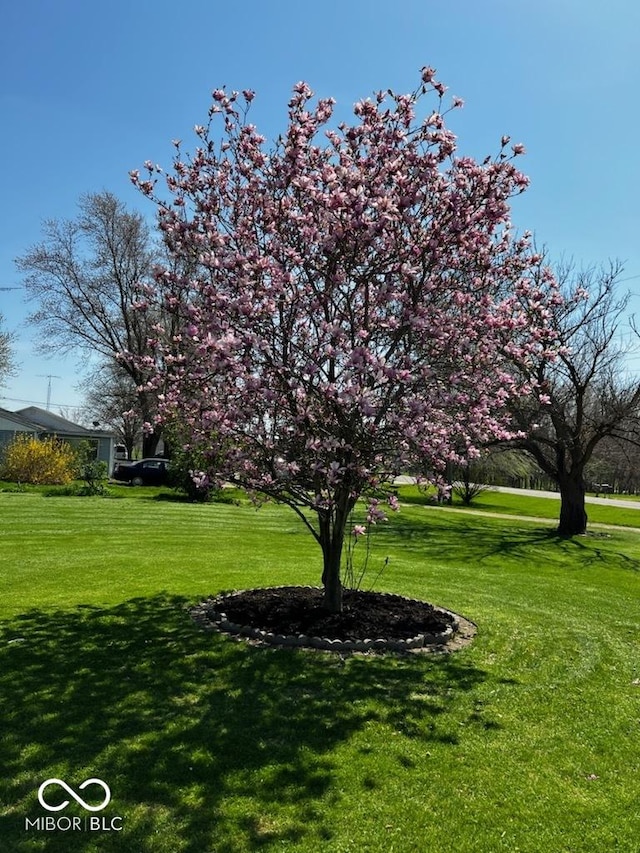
(70, 791)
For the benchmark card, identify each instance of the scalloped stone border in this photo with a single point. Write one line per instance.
(457, 635)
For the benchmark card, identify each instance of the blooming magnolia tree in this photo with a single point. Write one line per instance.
(353, 298)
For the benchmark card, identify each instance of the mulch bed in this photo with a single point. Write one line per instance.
(389, 621)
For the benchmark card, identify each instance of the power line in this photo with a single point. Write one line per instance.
(40, 402)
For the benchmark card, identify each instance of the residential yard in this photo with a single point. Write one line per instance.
(523, 505)
(525, 741)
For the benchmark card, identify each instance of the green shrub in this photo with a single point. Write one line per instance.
(188, 475)
(93, 471)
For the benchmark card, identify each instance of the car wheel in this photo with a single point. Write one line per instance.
(137, 481)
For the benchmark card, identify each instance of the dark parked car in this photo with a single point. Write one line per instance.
(146, 472)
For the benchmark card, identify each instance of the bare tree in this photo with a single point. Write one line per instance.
(7, 363)
(77, 415)
(111, 396)
(586, 395)
(85, 277)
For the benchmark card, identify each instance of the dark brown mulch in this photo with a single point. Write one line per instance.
(299, 610)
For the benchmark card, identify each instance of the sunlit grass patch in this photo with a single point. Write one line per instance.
(526, 740)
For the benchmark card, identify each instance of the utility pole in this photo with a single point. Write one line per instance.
(49, 376)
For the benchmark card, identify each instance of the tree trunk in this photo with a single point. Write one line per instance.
(573, 515)
(331, 580)
(332, 524)
(150, 443)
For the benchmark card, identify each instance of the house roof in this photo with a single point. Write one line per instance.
(41, 421)
(18, 419)
(52, 423)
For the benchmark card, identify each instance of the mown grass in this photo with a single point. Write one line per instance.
(506, 503)
(525, 741)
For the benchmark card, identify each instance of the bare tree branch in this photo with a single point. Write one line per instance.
(85, 277)
(7, 361)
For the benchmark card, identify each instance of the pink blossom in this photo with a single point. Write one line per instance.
(428, 74)
(345, 304)
(200, 479)
(375, 513)
(393, 502)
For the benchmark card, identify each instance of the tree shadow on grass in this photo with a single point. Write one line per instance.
(206, 743)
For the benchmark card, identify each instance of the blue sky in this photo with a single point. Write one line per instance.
(89, 91)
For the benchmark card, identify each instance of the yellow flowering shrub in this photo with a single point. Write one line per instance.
(38, 461)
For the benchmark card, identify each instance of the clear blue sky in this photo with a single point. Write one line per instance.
(89, 91)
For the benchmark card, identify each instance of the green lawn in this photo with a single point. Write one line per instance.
(525, 741)
(524, 505)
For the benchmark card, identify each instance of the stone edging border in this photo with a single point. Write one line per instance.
(457, 635)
